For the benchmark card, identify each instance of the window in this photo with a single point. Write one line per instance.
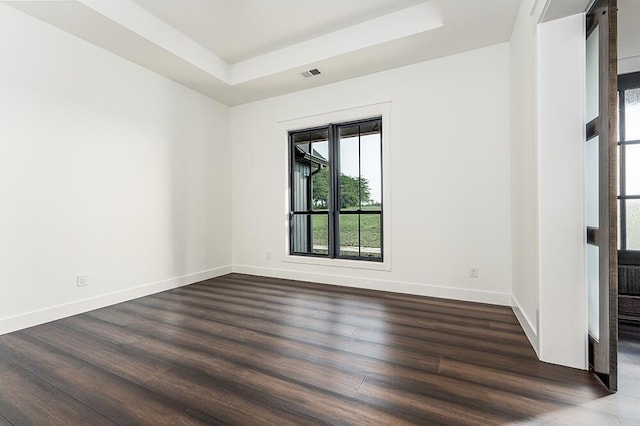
(336, 191)
(629, 167)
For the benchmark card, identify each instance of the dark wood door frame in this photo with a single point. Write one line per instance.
(603, 354)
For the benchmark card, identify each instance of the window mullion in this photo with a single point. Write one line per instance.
(291, 193)
(381, 189)
(334, 161)
(359, 190)
(359, 168)
(622, 184)
(309, 202)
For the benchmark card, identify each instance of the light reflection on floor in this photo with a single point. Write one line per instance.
(621, 408)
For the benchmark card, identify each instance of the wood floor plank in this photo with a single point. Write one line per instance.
(242, 349)
(172, 346)
(325, 338)
(110, 357)
(4, 421)
(416, 303)
(359, 317)
(105, 313)
(572, 387)
(347, 294)
(390, 316)
(267, 343)
(144, 353)
(231, 404)
(300, 317)
(431, 350)
(351, 297)
(429, 407)
(113, 397)
(26, 399)
(374, 308)
(367, 328)
(203, 367)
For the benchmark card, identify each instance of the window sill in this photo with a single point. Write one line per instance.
(339, 263)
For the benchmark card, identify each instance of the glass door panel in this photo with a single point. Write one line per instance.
(592, 183)
(593, 278)
(593, 65)
(600, 189)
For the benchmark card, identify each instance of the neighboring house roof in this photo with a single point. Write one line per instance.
(302, 155)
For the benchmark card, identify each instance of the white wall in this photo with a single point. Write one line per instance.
(448, 166)
(524, 170)
(547, 160)
(547, 140)
(547, 112)
(106, 169)
(561, 222)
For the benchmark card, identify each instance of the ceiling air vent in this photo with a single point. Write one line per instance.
(310, 73)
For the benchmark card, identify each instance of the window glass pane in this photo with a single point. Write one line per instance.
(307, 159)
(371, 166)
(593, 94)
(361, 235)
(632, 114)
(619, 226)
(371, 235)
(349, 168)
(300, 176)
(593, 279)
(300, 233)
(633, 224)
(632, 169)
(349, 235)
(592, 183)
(618, 118)
(320, 175)
(320, 234)
(618, 153)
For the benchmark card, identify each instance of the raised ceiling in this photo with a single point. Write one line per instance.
(237, 51)
(628, 36)
(242, 29)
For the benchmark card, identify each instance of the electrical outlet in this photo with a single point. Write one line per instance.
(267, 255)
(81, 281)
(474, 272)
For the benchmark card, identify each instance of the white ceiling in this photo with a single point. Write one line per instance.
(560, 8)
(628, 35)
(241, 29)
(238, 51)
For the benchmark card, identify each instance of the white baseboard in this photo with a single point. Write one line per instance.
(530, 328)
(471, 295)
(53, 313)
(29, 319)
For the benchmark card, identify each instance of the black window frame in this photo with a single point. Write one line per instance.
(334, 209)
(625, 82)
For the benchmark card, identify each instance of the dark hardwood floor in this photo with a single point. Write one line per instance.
(241, 349)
